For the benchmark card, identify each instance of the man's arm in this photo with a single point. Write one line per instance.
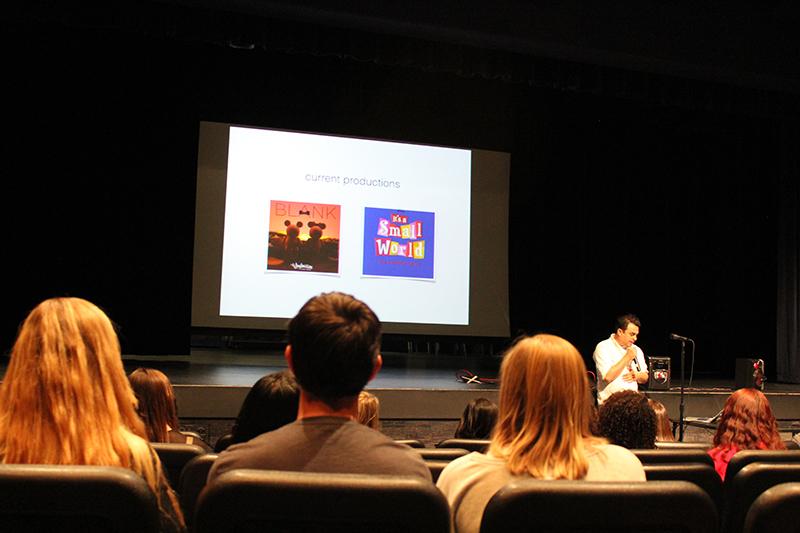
(642, 376)
(617, 368)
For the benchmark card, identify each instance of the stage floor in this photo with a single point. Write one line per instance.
(211, 383)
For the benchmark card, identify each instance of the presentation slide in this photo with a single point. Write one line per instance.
(386, 222)
(283, 216)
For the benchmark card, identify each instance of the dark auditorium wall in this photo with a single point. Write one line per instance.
(617, 204)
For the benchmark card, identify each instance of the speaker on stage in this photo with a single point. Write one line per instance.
(750, 374)
(660, 370)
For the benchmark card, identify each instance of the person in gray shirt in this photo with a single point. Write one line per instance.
(333, 350)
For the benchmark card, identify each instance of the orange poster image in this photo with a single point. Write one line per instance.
(303, 237)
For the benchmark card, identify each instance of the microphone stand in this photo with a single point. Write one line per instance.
(683, 350)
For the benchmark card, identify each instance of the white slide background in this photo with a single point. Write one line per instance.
(266, 165)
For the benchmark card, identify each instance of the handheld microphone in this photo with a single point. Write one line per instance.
(676, 337)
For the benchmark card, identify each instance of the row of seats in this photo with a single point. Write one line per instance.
(682, 486)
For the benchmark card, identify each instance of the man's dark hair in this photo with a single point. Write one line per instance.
(335, 341)
(624, 320)
(626, 419)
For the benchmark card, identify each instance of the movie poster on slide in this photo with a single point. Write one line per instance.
(303, 237)
(398, 243)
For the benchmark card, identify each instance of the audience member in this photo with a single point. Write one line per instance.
(477, 420)
(542, 431)
(626, 419)
(158, 407)
(65, 400)
(664, 432)
(369, 410)
(334, 343)
(747, 423)
(270, 403)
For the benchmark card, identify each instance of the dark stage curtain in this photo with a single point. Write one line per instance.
(788, 315)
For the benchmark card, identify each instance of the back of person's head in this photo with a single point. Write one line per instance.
(626, 419)
(369, 410)
(270, 403)
(65, 398)
(545, 403)
(335, 340)
(477, 420)
(663, 423)
(157, 405)
(622, 321)
(747, 422)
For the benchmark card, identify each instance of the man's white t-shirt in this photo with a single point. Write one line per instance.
(607, 354)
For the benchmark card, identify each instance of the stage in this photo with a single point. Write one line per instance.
(211, 383)
(421, 395)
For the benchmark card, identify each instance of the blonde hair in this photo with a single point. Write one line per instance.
(65, 399)
(369, 410)
(545, 404)
(156, 398)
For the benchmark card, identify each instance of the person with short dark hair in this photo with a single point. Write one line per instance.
(620, 363)
(333, 351)
(626, 419)
(477, 420)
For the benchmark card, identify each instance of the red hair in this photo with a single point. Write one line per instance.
(747, 423)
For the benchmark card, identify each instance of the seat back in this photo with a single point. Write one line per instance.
(265, 500)
(660, 456)
(174, 457)
(441, 454)
(414, 443)
(677, 445)
(775, 510)
(436, 468)
(473, 445)
(701, 474)
(747, 484)
(743, 458)
(223, 442)
(75, 498)
(600, 507)
(192, 482)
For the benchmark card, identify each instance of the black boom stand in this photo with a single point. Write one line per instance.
(676, 337)
(683, 356)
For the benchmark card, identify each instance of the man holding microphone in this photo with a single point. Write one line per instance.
(620, 363)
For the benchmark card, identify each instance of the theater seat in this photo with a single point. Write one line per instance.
(192, 481)
(746, 457)
(441, 454)
(473, 445)
(436, 468)
(414, 443)
(174, 457)
(600, 507)
(677, 445)
(775, 510)
(223, 442)
(36, 498)
(660, 456)
(748, 484)
(266, 500)
(702, 475)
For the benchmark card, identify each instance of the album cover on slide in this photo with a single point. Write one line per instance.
(303, 237)
(398, 243)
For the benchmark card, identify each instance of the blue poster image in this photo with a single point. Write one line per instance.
(398, 243)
